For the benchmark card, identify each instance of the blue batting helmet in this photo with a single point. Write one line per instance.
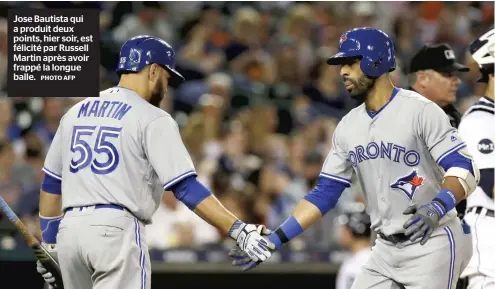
(140, 51)
(372, 46)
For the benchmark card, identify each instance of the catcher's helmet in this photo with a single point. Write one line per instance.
(357, 220)
(482, 50)
(142, 50)
(372, 46)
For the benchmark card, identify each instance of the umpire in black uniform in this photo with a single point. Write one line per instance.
(433, 73)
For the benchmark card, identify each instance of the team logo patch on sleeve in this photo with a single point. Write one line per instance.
(409, 183)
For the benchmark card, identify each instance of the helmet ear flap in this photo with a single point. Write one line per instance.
(372, 68)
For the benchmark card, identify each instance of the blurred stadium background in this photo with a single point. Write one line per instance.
(257, 111)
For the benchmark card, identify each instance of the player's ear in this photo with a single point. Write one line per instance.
(153, 72)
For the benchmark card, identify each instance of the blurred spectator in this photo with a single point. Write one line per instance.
(406, 38)
(46, 127)
(300, 29)
(10, 189)
(204, 40)
(148, 19)
(245, 52)
(175, 226)
(9, 131)
(325, 92)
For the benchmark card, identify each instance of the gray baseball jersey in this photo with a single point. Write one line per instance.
(117, 149)
(395, 154)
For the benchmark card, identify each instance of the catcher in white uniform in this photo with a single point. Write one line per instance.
(477, 129)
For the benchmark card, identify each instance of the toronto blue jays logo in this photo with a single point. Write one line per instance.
(409, 183)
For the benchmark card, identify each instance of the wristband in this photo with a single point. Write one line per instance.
(286, 232)
(49, 228)
(444, 202)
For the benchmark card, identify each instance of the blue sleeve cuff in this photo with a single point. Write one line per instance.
(190, 192)
(286, 232)
(457, 160)
(49, 229)
(326, 194)
(51, 185)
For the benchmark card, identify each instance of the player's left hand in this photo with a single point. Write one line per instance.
(242, 259)
(423, 221)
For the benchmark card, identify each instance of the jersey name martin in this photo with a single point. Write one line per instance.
(111, 109)
(392, 151)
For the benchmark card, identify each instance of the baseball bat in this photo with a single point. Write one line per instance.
(50, 264)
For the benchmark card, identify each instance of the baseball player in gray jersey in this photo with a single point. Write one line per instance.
(413, 169)
(107, 168)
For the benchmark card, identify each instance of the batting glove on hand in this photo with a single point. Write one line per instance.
(250, 241)
(241, 259)
(49, 278)
(423, 221)
(45, 274)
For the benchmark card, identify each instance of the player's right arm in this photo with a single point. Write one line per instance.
(334, 178)
(50, 204)
(169, 157)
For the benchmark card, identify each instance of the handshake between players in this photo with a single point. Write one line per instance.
(101, 204)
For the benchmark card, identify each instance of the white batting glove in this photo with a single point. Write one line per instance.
(249, 240)
(241, 259)
(45, 274)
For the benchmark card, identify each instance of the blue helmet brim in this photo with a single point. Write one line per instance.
(175, 77)
(341, 58)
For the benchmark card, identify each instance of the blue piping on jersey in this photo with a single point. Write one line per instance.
(450, 151)
(52, 174)
(455, 159)
(373, 114)
(336, 178)
(142, 257)
(452, 248)
(177, 179)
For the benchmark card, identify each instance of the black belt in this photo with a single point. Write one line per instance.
(477, 210)
(395, 238)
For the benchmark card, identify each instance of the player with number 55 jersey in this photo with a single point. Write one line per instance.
(107, 168)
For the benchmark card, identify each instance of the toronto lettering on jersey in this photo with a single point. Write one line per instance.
(392, 151)
(112, 109)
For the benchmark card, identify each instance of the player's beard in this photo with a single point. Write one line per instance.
(157, 96)
(362, 88)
